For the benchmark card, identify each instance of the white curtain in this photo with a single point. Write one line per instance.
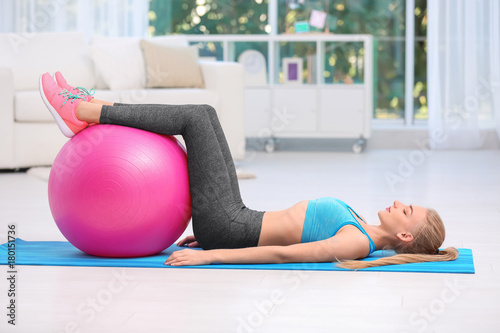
(102, 17)
(463, 71)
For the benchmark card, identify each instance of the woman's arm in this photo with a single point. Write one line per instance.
(337, 247)
(249, 255)
(273, 254)
(342, 246)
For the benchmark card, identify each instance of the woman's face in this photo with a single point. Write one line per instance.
(402, 219)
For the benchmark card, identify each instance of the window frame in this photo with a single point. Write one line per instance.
(408, 121)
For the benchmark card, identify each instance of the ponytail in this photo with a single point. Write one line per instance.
(424, 247)
(450, 253)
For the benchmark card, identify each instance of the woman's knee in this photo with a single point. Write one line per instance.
(210, 110)
(198, 114)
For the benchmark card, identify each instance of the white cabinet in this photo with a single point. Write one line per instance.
(342, 111)
(312, 110)
(294, 110)
(323, 103)
(257, 110)
(308, 111)
(280, 111)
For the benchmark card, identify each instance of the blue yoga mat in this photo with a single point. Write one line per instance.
(65, 254)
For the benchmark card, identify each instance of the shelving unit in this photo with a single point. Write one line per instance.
(321, 109)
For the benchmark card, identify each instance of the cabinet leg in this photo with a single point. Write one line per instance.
(359, 146)
(270, 145)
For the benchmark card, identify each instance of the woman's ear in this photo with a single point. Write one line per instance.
(405, 236)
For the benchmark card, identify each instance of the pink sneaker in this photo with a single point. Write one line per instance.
(62, 104)
(61, 82)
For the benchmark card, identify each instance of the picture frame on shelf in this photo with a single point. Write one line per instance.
(292, 71)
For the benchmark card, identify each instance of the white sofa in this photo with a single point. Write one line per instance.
(30, 137)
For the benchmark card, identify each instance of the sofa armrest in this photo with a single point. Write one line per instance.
(6, 118)
(226, 80)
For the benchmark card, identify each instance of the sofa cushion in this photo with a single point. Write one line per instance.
(160, 96)
(171, 67)
(102, 43)
(120, 64)
(30, 55)
(30, 108)
(170, 96)
(171, 40)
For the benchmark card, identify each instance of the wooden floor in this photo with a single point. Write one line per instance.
(464, 187)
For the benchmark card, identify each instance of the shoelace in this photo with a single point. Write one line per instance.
(70, 96)
(86, 92)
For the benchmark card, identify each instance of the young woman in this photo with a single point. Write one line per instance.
(321, 230)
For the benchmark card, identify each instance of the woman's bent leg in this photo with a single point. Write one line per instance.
(220, 219)
(221, 138)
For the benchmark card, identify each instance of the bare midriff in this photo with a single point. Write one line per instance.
(285, 227)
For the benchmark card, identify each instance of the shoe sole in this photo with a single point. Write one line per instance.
(59, 121)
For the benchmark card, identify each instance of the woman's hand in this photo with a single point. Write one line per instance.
(189, 240)
(189, 258)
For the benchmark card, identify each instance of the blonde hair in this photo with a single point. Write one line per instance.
(423, 248)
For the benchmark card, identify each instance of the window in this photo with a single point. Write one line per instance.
(208, 17)
(384, 19)
(420, 85)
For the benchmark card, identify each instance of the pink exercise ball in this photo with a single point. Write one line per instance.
(117, 191)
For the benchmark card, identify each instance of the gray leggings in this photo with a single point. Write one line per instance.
(220, 219)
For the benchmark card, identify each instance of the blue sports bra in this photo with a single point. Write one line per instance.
(325, 217)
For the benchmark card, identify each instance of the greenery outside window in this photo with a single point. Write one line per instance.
(384, 19)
